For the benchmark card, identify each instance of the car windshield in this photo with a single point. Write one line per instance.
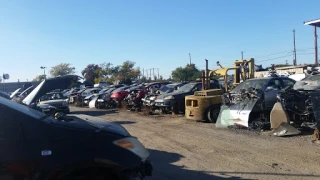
(110, 90)
(254, 83)
(186, 88)
(312, 78)
(88, 91)
(103, 90)
(166, 88)
(51, 96)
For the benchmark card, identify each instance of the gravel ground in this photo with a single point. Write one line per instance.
(183, 149)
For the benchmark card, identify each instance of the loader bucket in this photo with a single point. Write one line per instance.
(285, 129)
(236, 114)
(278, 115)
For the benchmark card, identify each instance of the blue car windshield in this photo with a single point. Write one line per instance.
(186, 88)
(168, 87)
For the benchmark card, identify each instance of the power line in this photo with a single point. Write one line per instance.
(274, 58)
(274, 54)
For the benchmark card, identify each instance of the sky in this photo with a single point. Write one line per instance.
(156, 34)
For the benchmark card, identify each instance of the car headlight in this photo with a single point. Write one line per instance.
(134, 145)
(169, 97)
(153, 98)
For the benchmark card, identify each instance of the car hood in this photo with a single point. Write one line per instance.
(52, 101)
(81, 121)
(61, 82)
(307, 85)
(162, 96)
(14, 93)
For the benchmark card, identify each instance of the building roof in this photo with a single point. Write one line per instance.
(313, 23)
(291, 67)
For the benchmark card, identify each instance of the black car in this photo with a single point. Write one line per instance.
(175, 101)
(39, 146)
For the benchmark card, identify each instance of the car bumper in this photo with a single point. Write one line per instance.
(144, 170)
(149, 103)
(163, 103)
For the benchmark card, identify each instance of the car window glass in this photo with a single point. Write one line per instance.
(287, 82)
(199, 87)
(274, 84)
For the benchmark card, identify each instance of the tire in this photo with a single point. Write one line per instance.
(212, 114)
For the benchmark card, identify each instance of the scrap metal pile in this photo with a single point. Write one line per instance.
(298, 107)
(285, 109)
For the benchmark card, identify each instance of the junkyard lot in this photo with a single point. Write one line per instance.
(182, 149)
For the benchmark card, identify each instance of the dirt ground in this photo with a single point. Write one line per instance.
(187, 150)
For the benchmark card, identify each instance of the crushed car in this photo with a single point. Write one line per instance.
(19, 98)
(56, 100)
(149, 100)
(249, 104)
(34, 98)
(298, 108)
(103, 100)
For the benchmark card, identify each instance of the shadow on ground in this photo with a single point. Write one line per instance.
(164, 169)
(124, 122)
(95, 112)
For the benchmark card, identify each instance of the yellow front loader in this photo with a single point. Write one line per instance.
(205, 104)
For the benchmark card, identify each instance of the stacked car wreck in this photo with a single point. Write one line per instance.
(298, 107)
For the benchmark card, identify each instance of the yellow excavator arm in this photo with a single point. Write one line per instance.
(243, 70)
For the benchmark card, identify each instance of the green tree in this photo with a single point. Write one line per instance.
(161, 78)
(39, 78)
(91, 72)
(155, 78)
(124, 73)
(188, 73)
(62, 69)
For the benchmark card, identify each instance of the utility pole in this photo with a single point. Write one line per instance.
(150, 74)
(241, 55)
(190, 58)
(286, 62)
(158, 73)
(44, 71)
(143, 72)
(294, 48)
(316, 46)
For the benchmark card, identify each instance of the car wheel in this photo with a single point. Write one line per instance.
(212, 114)
(97, 105)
